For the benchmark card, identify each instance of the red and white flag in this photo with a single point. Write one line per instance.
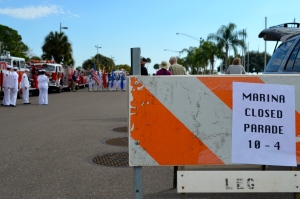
(95, 77)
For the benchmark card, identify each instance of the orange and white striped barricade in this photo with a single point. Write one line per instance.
(187, 120)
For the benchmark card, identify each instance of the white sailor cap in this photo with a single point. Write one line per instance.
(8, 66)
(15, 68)
(27, 70)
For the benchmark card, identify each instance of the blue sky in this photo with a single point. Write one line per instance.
(118, 25)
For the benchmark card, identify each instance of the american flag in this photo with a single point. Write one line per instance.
(95, 77)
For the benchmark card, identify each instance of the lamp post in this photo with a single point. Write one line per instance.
(60, 27)
(97, 53)
(189, 36)
(200, 40)
(112, 58)
(176, 51)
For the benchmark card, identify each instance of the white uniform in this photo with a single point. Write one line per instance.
(90, 81)
(117, 80)
(114, 81)
(25, 88)
(43, 81)
(110, 80)
(13, 85)
(6, 97)
(123, 80)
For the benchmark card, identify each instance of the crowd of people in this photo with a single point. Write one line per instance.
(176, 69)
(114, 81)
(11, 87)
(97, 81)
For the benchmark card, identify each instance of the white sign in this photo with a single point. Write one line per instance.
(237, 181)
(263, 124)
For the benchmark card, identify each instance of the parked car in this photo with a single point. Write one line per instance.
(286, 57)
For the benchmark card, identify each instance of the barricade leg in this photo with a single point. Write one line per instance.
(296, 195)
(138, 182)
(175, 169)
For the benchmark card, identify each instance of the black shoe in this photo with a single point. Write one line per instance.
(27, 103)
(12, 105)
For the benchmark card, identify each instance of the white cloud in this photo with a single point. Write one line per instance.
(32, 12)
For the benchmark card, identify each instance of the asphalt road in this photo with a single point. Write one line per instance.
(46, 152)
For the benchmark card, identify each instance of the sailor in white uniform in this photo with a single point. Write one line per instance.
(90, 81)
(25, 87)
(123, 80)
(43, 81)
(6, 97)
(13, 85)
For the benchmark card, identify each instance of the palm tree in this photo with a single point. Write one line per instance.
(210, 52)
(190, 61)
(227, 37)
(57, 46)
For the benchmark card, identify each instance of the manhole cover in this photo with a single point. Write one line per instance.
(112, 159)
(116, 141)
(122, 129)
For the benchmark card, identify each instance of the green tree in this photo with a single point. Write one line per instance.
(35, 58)
(210, 52)
(123, 66)
(101, 62)
(256, 61)
(156, 66)
(190, 61)
(228, 37)
(57, 46)
(11, 41)
(148, 62)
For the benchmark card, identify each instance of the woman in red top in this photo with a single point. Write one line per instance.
(163, 69)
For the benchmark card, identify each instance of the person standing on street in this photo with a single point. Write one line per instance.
(123, 80)
(13, 85)
(74, 78)
(163, 69)
(43, 81)
(90, 81)
(6, 97)
(25, 87)
(236, 67)
(144, 70)
(176, 69)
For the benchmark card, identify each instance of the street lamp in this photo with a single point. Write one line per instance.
(60, 27)
(200, 40)
(112, 58)
(190, 36)
(97, 53)
(176, 51)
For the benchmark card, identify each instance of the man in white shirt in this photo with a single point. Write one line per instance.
(25, 87)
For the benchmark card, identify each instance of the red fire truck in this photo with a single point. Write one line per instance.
(14, 62)
(60, 76)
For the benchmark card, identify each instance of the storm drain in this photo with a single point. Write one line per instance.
(116, 141)
(112, 159)
(122, 129)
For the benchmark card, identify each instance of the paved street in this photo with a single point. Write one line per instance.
(46, 152)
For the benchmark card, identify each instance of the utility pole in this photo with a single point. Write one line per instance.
(265, 63)
(97, 53)
(60, 27)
